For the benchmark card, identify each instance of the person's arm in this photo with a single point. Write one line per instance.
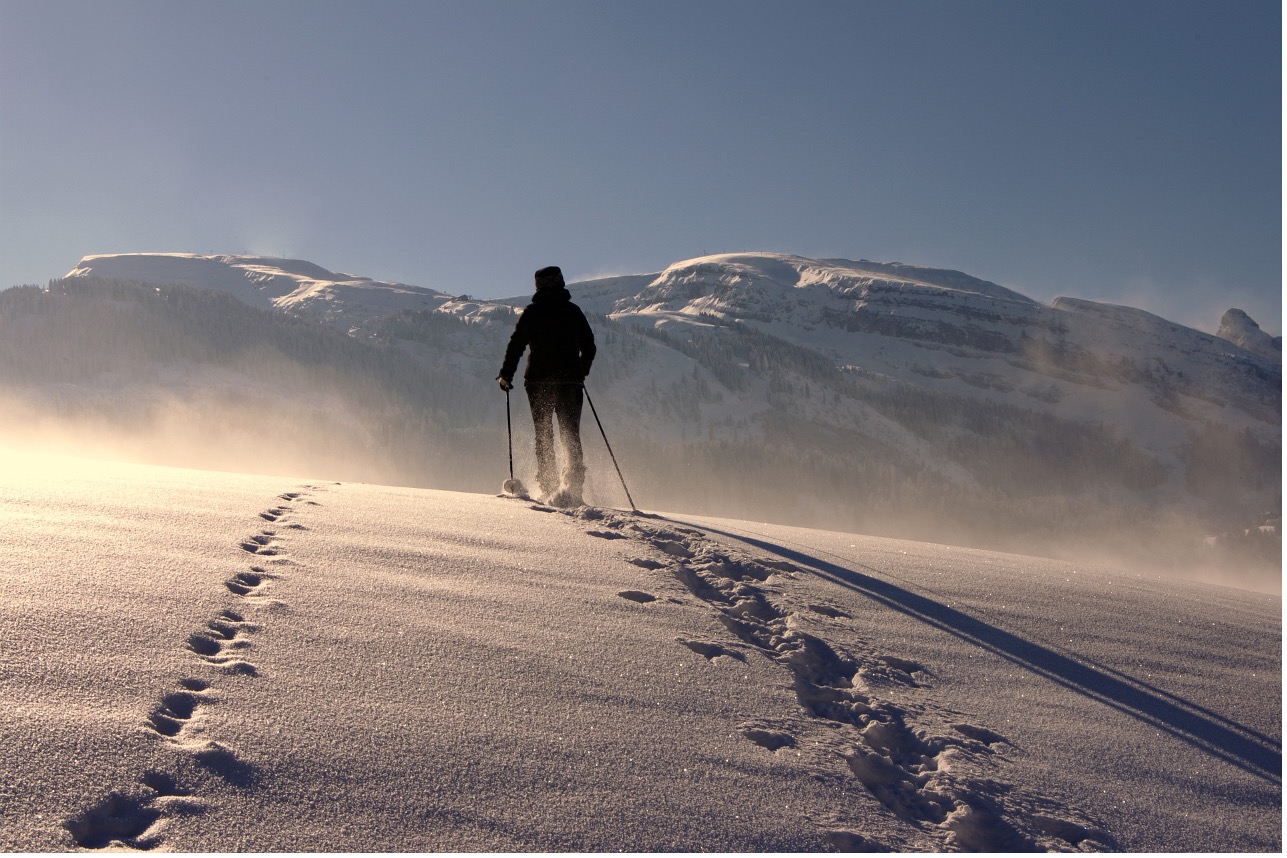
(518, 342)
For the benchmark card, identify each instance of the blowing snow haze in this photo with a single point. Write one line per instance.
(858, 396)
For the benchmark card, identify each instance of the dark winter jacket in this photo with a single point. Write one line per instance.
(561, 342)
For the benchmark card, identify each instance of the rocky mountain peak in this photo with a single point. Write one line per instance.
(1241, 330)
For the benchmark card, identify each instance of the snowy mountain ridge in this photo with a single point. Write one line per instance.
(734, 273)
(737, 285)
(1084, 360)
(291, 285)
(924, 326)
(855, 395)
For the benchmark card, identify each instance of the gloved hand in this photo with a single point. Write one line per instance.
(505, 384)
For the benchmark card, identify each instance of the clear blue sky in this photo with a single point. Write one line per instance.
(1124, 151)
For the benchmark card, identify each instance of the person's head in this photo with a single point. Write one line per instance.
(549, 278)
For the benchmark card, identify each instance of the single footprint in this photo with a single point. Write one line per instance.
(262, 543)
(710, 650)
(980, 734)
(176, 709)
(245, 583)
(852, 841)
(905, 665)
(770, 739)
(119, 818)
(164, 784)
(211, 646)
(230, 626)
(674, 549)
(204, 645)
(223, 761)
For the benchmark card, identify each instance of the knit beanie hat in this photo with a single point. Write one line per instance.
(549, 278)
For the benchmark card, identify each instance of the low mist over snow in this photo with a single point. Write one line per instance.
(204, 662)
(871, 397)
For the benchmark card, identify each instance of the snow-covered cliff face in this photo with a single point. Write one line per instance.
(868, 375)
(1239, 328)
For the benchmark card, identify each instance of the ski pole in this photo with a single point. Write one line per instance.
(511, 487)
(633, 508)
(509, 434)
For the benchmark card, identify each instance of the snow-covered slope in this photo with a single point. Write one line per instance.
(976, 332)
(905, 321)
(197, 661)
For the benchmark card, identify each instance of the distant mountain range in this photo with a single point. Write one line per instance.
(855, 395)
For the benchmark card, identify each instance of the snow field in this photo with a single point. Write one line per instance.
(200, 661)
(1152, 705)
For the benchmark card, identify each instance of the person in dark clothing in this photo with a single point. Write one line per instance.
(561, 351)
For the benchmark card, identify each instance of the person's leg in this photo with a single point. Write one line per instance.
(541, 397)
(570, 401)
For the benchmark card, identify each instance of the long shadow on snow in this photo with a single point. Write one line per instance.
(1222, 737)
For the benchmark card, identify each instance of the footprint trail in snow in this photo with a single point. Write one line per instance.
(137, 815)
(941, 776)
